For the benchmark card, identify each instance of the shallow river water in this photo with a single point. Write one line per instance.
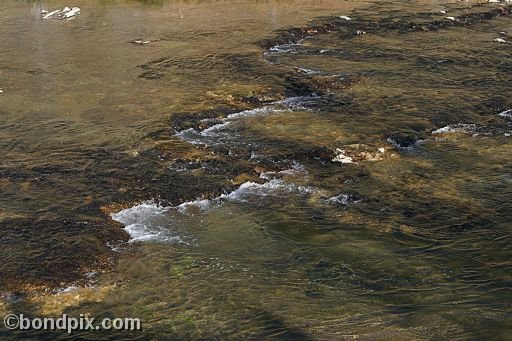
(289, 170)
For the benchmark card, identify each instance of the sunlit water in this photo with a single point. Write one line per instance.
(354, 183)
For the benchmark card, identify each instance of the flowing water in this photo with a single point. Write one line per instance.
(259, 169)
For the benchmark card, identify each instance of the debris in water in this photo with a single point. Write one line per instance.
(74, 11)
(50, 14)
(64, 13)
(345, 17)
(144, 42)
(450, 18)
(141, 42)
(443, 12)
(500, 40)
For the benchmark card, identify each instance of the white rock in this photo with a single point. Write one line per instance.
(345, 17)
(382, 150)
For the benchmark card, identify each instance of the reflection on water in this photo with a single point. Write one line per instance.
(351, 180)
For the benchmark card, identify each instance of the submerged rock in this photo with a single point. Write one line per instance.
(56, 304)
(340, 23)
(326, 84)
(402, 140)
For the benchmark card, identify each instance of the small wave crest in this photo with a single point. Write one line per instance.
(506, 114)
(296, 169)
(342, 200)
(150, 222)
(144, 223)
(456, 128)
(215, 134)
(290, 48)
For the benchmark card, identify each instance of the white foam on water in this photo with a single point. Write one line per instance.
(144, 233)
(212, 131)
(392, 141)
(506, 113)
(253, 112)
(290, 48)
(461, 127)
(190, 135)
(243, 193)
(140, 223)
(205, 136)
(150, 222)
(271, 188)
(342, 199)
(200, 204)
(68, 289)
(308, 71)
(113, 247)
(298, 103)
(296, 169)
(134, 214)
